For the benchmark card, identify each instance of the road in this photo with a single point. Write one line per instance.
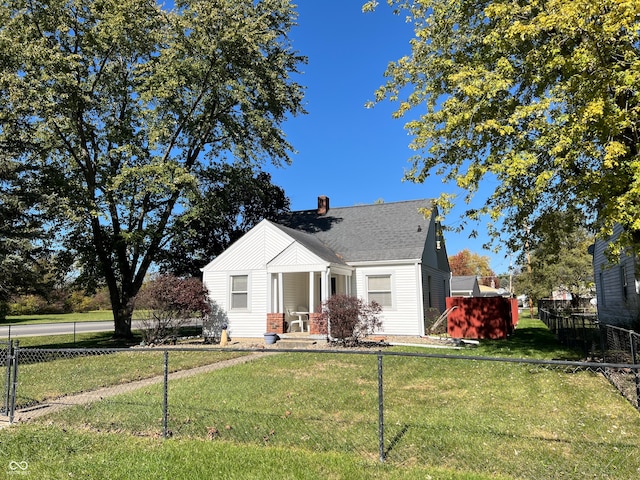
(34, 330)
(41, 329)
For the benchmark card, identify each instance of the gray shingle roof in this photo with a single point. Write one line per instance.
(463, 283)
(382, 231)
(312, 243)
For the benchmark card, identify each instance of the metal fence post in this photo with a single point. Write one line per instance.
(634, 360)
(7, 385)
(14, 387)
(380, 409)
(165, 402)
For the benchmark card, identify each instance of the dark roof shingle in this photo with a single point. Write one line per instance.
(377, 232)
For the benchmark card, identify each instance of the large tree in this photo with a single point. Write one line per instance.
(22, 236)
(118, 101)
(229, 201)
(540, 97)
(465, 263)
(559, 258)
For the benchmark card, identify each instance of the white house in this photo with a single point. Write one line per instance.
(276, 276)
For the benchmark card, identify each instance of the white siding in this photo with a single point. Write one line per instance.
(250, 322)
(296, 258)
(248, 256)
(251, 252)
(403, 318)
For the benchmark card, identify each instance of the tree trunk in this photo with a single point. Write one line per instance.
(122, 308)
(122, 316)
(575, 300)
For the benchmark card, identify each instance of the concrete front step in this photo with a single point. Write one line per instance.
(293, 341)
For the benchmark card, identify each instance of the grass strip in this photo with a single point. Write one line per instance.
(52, 452)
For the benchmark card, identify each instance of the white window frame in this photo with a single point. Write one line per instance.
(391, 290)
(245, 292)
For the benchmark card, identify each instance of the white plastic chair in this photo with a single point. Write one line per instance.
(301, 313)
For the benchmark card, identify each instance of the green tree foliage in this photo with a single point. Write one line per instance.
(22, 236)
(229, 201)
(540, 97)
(117, 102)
(559, 258)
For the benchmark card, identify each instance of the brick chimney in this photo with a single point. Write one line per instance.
(323, 205)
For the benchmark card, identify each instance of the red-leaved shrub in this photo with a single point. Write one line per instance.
(349, 317)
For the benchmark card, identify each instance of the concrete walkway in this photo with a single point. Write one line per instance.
(26, 414)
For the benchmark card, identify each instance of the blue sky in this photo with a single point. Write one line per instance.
(352, 154)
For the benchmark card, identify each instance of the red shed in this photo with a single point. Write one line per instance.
(482, 317)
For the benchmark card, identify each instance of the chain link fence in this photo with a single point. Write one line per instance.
(621, 346)
(576, 330)
(603, 343)
(400, 408)
(5, 377)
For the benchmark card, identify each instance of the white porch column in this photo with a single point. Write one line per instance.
(269, 292)
(326, 284)
(312, 285)
(280, 293)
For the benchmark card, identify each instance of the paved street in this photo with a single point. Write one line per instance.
(18, 330)
(54, 328)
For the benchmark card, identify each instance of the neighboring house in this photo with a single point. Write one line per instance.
(465, 286)
(276, 276)
(561, 294)
(487, 291)
(617, 285)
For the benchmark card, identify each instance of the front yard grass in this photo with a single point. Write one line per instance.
(313, 415)
(74, 372)
(51, 452)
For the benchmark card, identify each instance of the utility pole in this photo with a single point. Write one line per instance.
(526, 246)
(510, 274)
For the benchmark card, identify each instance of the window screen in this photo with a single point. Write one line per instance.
(239, 291)
(379, 289)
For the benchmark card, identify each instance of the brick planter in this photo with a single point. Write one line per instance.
(316, 325)
(275, 322)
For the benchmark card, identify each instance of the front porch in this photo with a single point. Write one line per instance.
(277, 323)
(295, 298)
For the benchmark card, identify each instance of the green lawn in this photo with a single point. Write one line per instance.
(67, 373)
(311, 415)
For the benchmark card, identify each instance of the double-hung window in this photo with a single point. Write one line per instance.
(239, 292)
(379, 289)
